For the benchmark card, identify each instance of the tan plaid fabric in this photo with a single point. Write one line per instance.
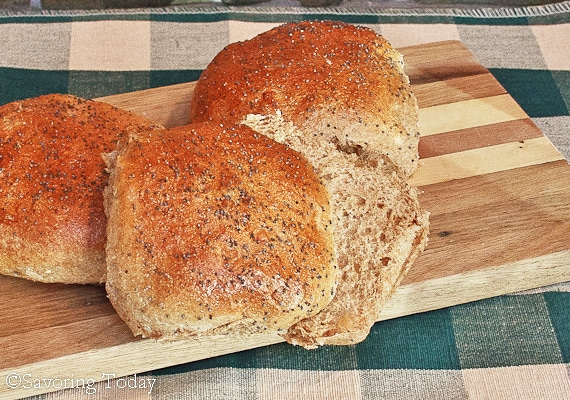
(510, 347)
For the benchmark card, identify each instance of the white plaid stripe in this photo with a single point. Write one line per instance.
(534, 382)
(401, 35)
(554, 44)
(240, 31)
(110, 46)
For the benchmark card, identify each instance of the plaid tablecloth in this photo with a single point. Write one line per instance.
(509, 347)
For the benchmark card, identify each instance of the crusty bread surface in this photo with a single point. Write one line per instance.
(52, 222)
(214, 230)
(343, 81)
(339, 95)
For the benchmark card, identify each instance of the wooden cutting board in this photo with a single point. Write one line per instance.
(498, 193)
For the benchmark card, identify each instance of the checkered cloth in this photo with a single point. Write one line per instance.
(509, 347)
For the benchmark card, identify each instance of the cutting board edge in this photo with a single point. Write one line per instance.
(522, 275)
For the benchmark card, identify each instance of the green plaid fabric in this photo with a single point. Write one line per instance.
(509, 347)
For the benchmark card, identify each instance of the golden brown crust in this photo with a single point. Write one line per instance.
(52, 222)
(333, 78)
(214, 229)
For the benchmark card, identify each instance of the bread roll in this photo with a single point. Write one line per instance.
(379, 229)
(329, 78)
(52, 222)
(214, 230)
(337, 94)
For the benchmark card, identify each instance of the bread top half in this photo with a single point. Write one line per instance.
(339, 80)
(215, 229)
(52, 222)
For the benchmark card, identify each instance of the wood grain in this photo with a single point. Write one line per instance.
(497, 190)
(168, 106)
(468, 114)
(477, 137)
(485, 160)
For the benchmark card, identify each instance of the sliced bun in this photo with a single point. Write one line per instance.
(379, 229)
(214, 230)
(337, 94)
(52, 222)
(342, 81)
